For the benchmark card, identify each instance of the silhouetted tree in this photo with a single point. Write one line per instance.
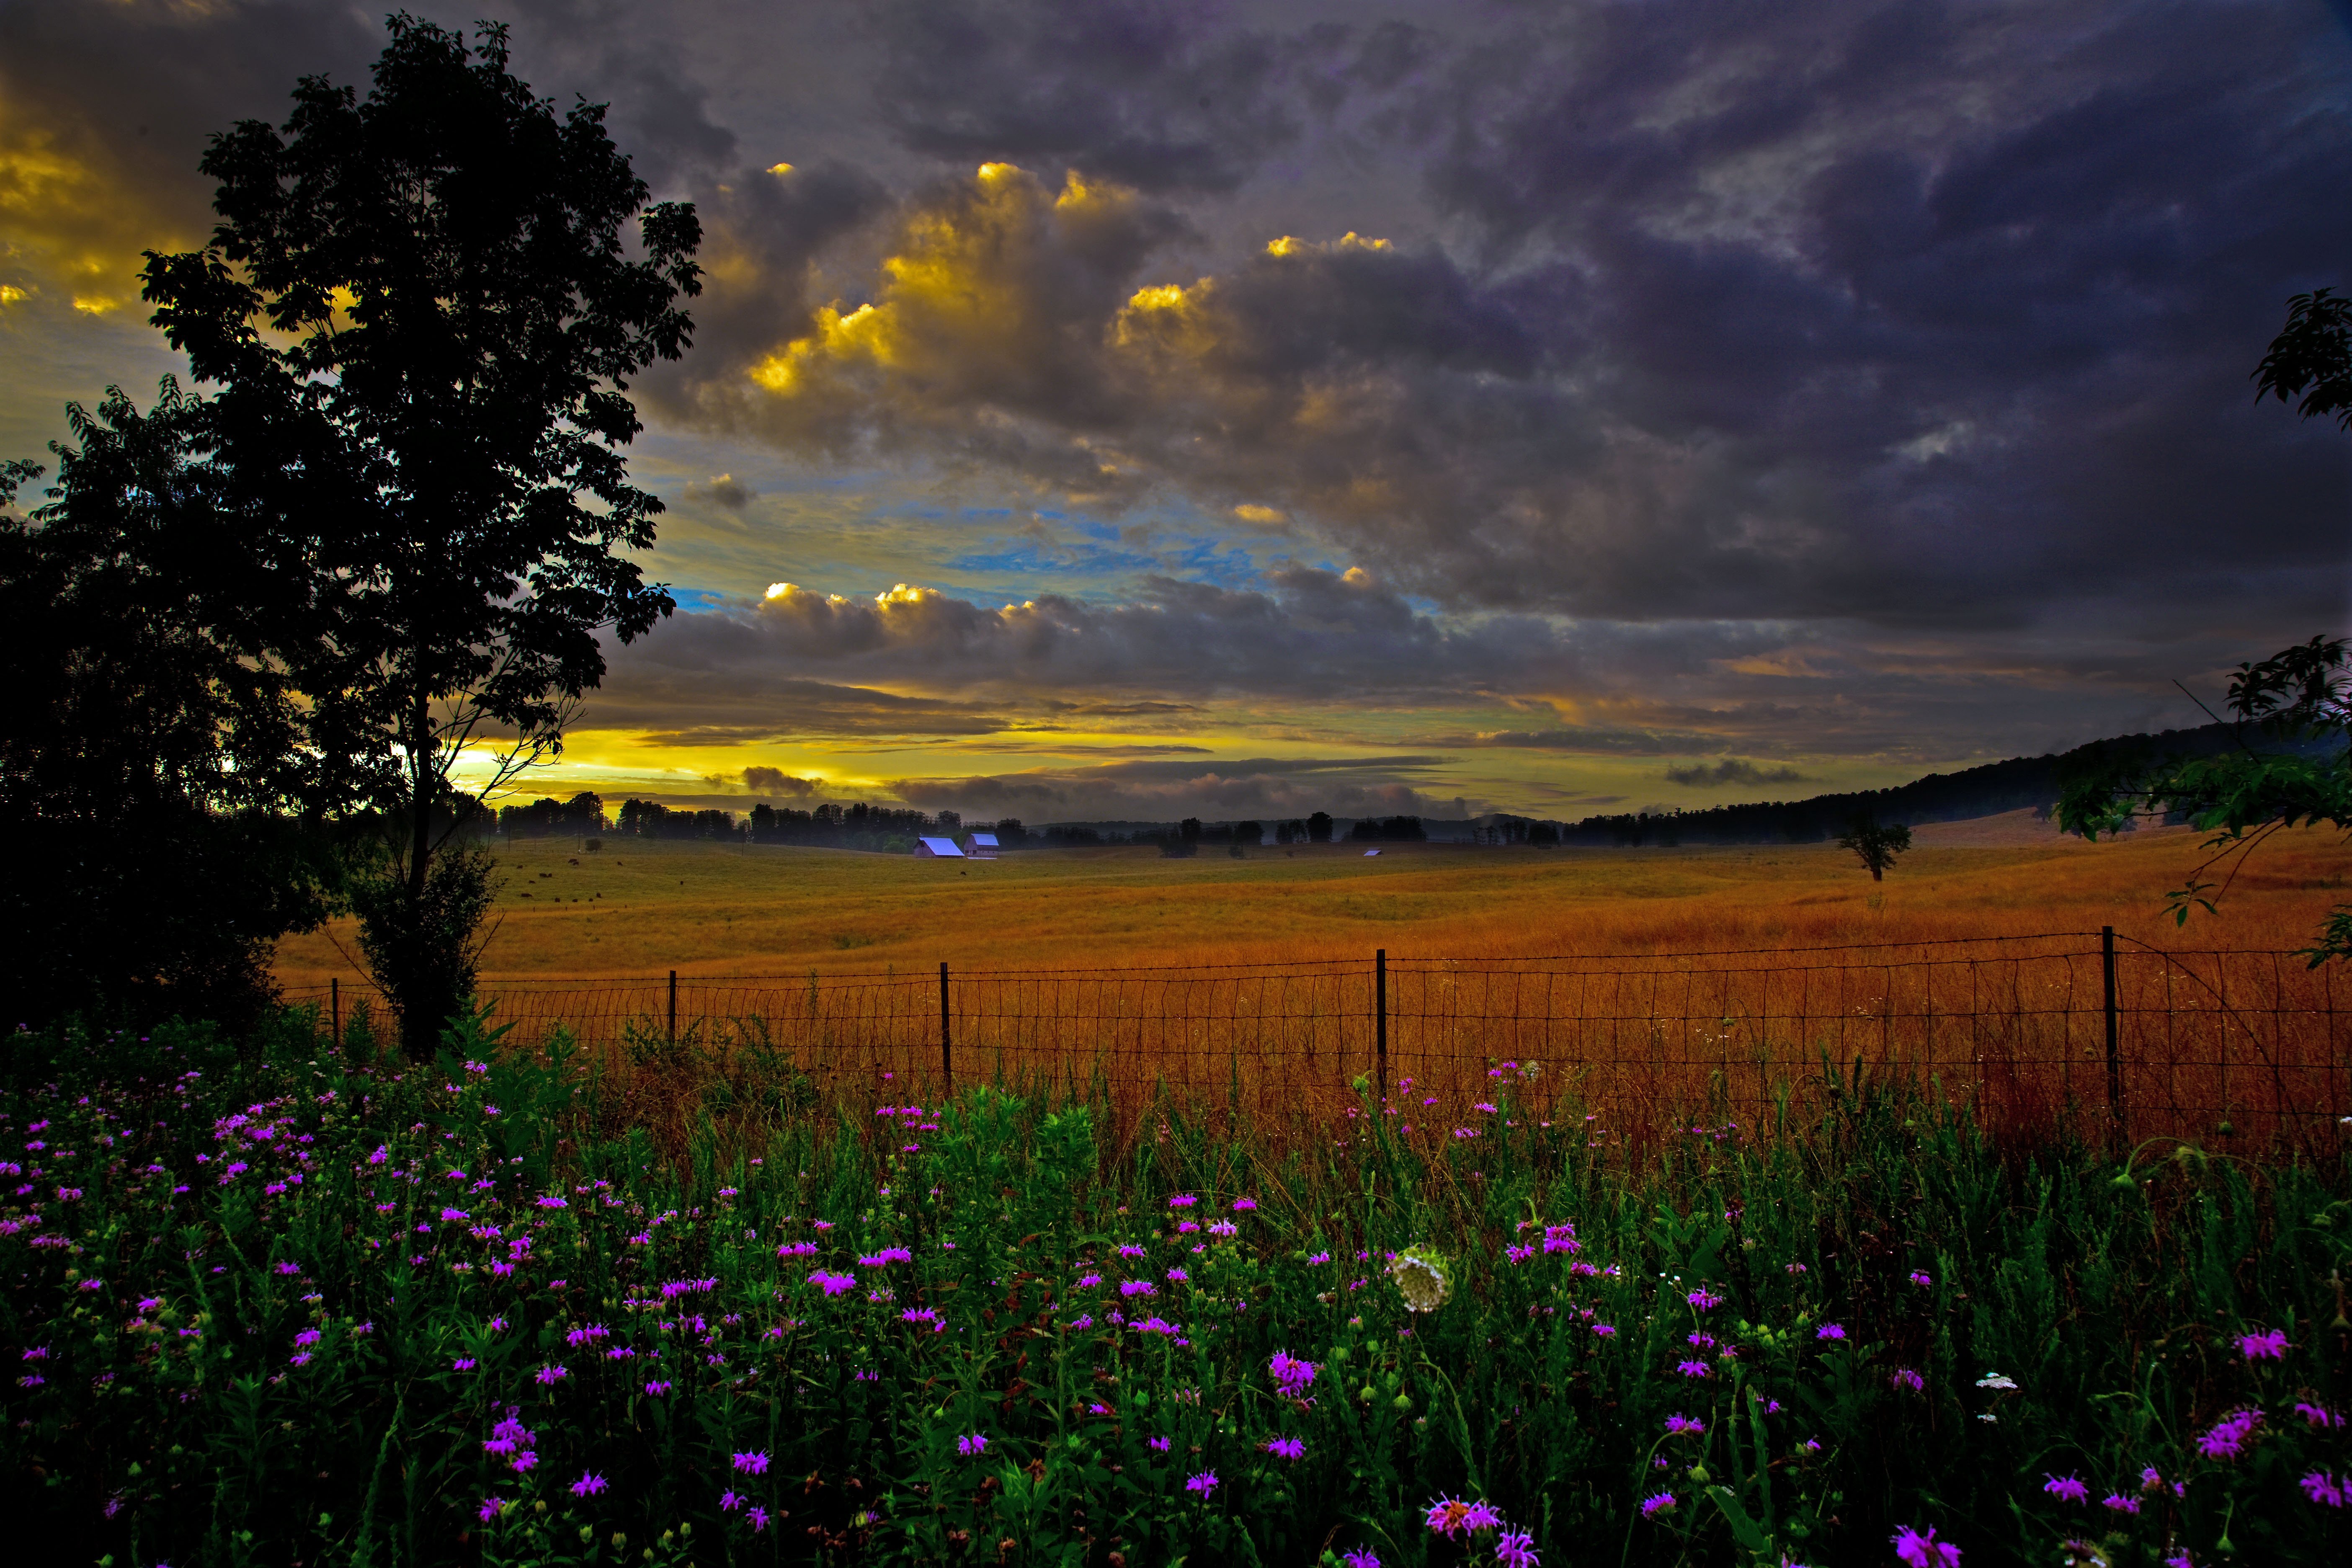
(423, 310)
(1877, 844)
(2312, 357)
(153, 766)
(1319, 828)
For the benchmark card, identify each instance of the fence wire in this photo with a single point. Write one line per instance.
(2206, 1043)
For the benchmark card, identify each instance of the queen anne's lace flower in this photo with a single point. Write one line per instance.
(1420, 1274)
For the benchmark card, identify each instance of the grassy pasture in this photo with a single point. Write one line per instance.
(641, 907)
(270, 1304)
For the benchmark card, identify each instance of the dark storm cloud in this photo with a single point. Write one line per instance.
(1310, 632)
(775, 781)
(688, 705)
(1877, 313)
(1731, 772)
(1137, 93)
(625, 57)
(721, 490)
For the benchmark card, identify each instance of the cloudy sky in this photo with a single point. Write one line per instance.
(1111, 408)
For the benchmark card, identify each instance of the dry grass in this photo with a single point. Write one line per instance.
(645, 909)
(2218, 1031)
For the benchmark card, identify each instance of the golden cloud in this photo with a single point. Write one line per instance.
(75, 221)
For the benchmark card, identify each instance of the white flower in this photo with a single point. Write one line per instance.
(1994, 1380)
(1420, 1274)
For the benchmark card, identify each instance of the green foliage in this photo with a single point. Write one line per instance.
(2241, 798)
(426, 946)
(268, 1302)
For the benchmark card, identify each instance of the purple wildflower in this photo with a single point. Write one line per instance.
(1516, 1550)
(1286, 1448)
(1921, 1280)
(752, 1464)
(1705, 1299)
(1361, 1558)
(1830, 1332)
(2318, 1415)
(1604, 1331)
(1694, 1369)
(2066, 1489)
(2230, 1434)
(1905, 1377)
(972, 1446)
(489, 1508)
(1291, 1373)
(758, 1518)
(1206, 1482)
(1656, 1504)
(730, 1501)
(588, 1485)
(1924, 1551)
(2120, 1502)
(2321, 1486)
(1683, 1426)
(2271, 1346)
(1159, 1444)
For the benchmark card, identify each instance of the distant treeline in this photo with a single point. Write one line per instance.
(834, 826)
(2017, 784)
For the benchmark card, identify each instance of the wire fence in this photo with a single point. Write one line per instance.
(2107, 1036)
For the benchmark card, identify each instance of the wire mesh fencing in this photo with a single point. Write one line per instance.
(2108, 1038)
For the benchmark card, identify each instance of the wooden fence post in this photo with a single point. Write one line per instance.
(2115, 1063)
(947, 1062)
(1380, 1015)
(673, 1006)
(335, 1009)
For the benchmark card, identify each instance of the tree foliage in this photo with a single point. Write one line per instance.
(423, 309)
(154, 765)
(2312, 358)
(1877, 844)
(2246, 796)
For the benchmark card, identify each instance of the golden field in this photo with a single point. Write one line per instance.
(833, 958)
(643, 907)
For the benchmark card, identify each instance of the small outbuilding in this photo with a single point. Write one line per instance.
(1369, 853)
(980, 845)
(937, 849)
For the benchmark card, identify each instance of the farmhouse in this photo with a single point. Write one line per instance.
(980, 845)
(937, 849)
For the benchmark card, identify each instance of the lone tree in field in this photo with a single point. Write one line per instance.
(2302, 694)
(423, 316)
(1877, 844)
